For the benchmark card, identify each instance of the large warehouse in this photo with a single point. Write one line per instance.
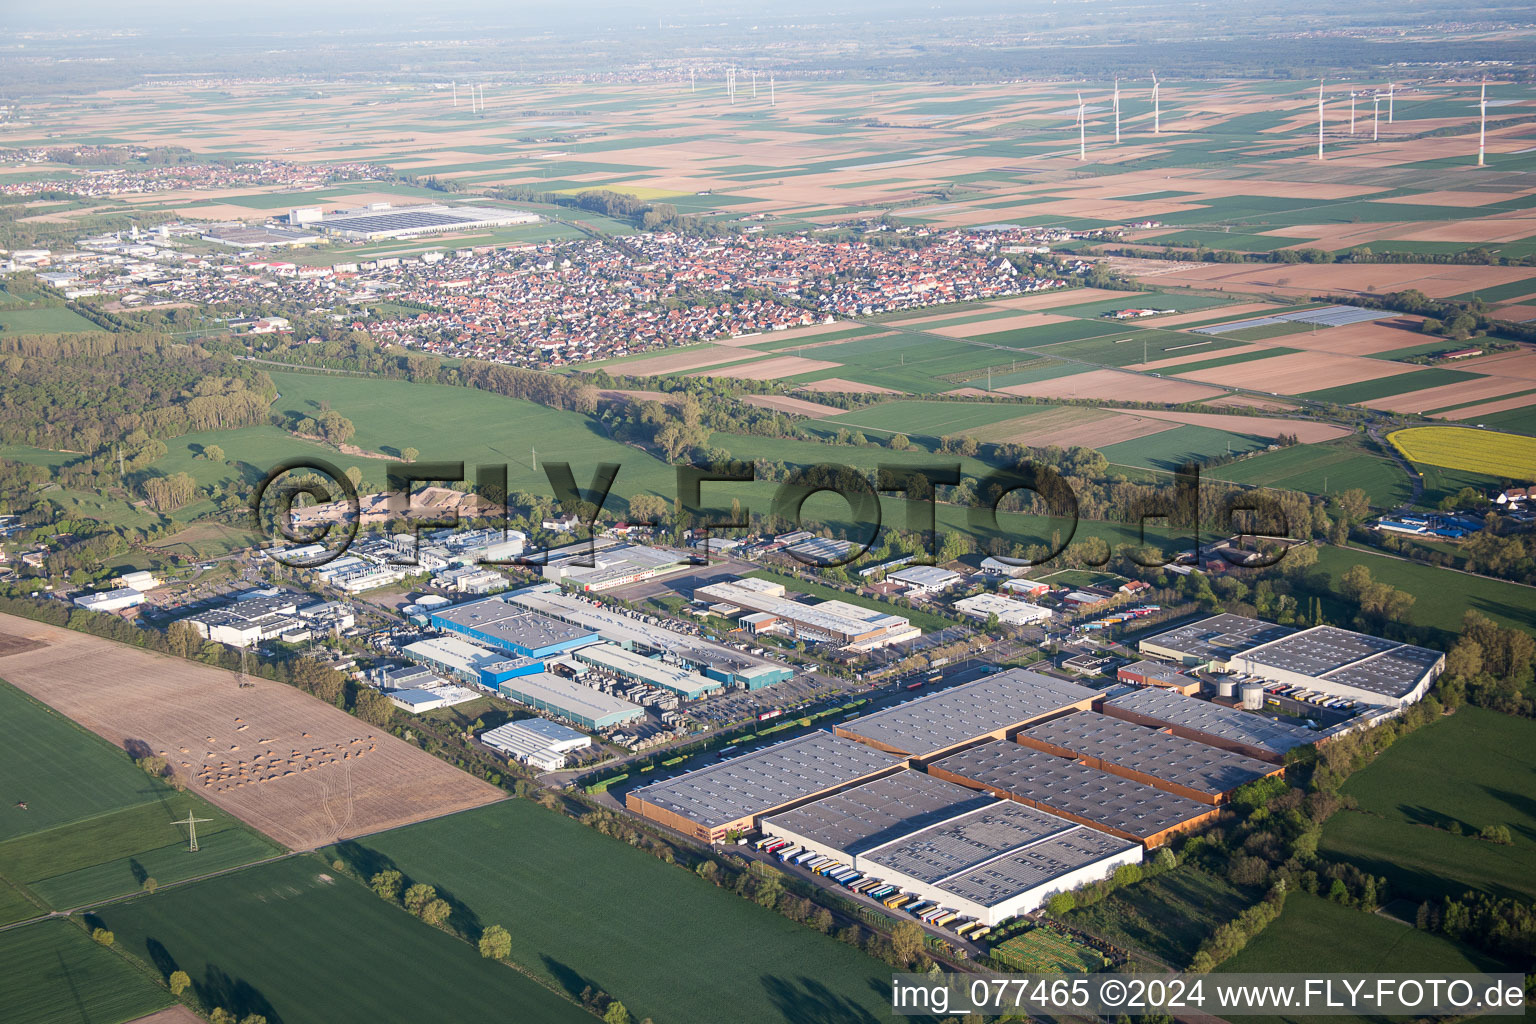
(384, 221)
(512, 629)
(1074, 791)
(826, 621)
(984, 858)
(710, 803)
(990, 708)
(1148, 756)
(554, 695)
(1327, 659)
(1241, 732)
(715, 661)
(637, 668)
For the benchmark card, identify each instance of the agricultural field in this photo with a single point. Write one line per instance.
(46, 320)
(1463, 770)
(1043, 951)
(1443, 596)
(301, 772)
(1478, 451)
(1312, 934)
(1164, 918)
(52, 973)
(1326, 468)
(93, 824)
(599, 915)
(297, 942)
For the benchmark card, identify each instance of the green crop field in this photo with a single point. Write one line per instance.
(584, 909)
(1326, 468)
(95, 825)
(1468, 769)
(52, 973)
(913, 362)
(931, 419)
(293, 942)
(1167, 916)
(472, 426)
(48, 320)
(1367, 391)
(1168, 449)
(1312, 934)
(1053, 334)
(1442, 596)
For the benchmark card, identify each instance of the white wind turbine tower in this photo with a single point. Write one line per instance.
(1157, 108)
(1376, 117)
(1391, 88)
(693, 86)
(1482, 123)
(754, 85)
(1319, 120)
(1351, 111)
(1117, 111)
(455, 95)
(773, 100)
(1082, 130)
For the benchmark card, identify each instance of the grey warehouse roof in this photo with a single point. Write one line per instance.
(1355, 659)
(1213, 719)
(766, 778)
(1073, 788)
(502, 621)
(996, 852)
(1219, 637)
(1151, 752)
(878, 812)
(965, 712)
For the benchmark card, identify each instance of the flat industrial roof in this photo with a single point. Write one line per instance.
(878, 812)
(969, 711)
(995, 852)
(1366, 662)
(1219, 636)
(1072, 788)
(510, 624)
(559, 692)
(658, 673)
(765, 779)
(1213, 719)
(1150, 752)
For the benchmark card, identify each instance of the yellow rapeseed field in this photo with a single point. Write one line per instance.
(1481, 451)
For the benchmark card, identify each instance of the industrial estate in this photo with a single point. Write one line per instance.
(484, 498)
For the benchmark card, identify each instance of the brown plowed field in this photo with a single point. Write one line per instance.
(299, 770)
(1299, 372)
(1306, 431)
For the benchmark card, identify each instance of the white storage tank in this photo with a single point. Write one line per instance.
(1226, 687)
(1253, 696)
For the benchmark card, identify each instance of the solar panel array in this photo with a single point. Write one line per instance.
(764, 779)
(1067, 787)
(1325, 316)
(1150, 752)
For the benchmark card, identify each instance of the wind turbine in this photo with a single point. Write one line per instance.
(693, 86)
(1117, 111)
(1482, 123)
(754, 85)
(455, 95)
(1391, 88)
(772, 99)
(1082, 130)
(1351, 111)
(1376, 117)
(191, 824)
(1319, 120)
(1157, 108)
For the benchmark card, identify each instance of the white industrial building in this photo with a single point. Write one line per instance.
(1008, 611)
(536, 742)
(833, 621)
(966, 851)
(924, 579)
(612, 658)
(110, 600)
